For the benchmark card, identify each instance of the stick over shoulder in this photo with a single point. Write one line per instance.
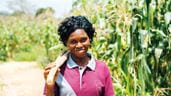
(58, 62)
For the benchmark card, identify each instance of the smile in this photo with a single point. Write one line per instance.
(80, 49)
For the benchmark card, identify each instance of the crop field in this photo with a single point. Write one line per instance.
(132, 36)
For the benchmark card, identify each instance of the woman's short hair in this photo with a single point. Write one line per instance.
(72, 23)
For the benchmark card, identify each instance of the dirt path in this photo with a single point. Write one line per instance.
(21, 79)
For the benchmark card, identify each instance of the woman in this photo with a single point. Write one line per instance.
(81, 74)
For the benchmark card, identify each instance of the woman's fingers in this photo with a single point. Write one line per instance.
(46, 72)
(49, 66)
(47, 69)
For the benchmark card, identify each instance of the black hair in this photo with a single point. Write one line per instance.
(72, 23)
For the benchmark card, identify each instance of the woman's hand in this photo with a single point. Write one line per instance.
(50, 86)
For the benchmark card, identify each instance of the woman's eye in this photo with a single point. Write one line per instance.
(73, 42)
(83, 39)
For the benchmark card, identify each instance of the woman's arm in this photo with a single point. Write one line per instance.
(50, 88)
(109, 90)
(50, 91)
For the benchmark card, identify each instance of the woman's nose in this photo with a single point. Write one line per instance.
(79, 44)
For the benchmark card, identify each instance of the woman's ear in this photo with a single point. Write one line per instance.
(90, 40)
(89, 45)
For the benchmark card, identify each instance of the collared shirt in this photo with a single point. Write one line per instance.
(92, 80)
(91, 64)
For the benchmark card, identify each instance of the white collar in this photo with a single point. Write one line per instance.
(91, 64)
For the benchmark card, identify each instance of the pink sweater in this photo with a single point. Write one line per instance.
(92, 82)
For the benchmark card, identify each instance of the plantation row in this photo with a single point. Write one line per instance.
(25, 38)
(132, 37)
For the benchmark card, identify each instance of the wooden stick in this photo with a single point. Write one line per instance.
(59, 62)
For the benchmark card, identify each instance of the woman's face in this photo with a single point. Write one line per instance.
(78, 43)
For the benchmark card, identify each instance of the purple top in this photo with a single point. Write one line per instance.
(92, 80)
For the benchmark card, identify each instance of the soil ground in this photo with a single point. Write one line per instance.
(21, 79)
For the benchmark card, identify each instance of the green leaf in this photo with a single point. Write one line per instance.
(158, 52)
(167, 17)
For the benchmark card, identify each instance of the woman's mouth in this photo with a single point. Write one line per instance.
(80, 50)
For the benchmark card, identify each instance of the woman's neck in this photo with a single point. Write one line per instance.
(81, 61)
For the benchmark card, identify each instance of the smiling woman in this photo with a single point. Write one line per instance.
(81, 74)
(78, 43)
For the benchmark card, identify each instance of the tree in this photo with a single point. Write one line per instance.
(44, 10)
(21, 6)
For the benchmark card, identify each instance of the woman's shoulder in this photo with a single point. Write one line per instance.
(101, 69)
(100, 64)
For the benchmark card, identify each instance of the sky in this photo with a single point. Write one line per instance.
(60, 6)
